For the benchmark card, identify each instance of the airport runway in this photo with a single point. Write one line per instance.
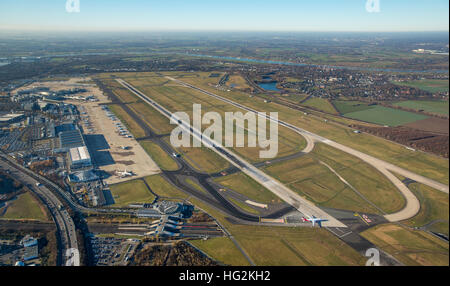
(177, 178)
(280, 190)
(412, 203)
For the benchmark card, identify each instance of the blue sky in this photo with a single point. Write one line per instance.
(248, 15)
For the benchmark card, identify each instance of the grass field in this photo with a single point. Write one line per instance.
(223, 250)
(195, 185)
(434, 206)
(281, 246)
(164, 160)
(25, 207)
(316, 182)
(413, 248)
(429, 85)
(320, 104)
(368, 181)
(157, 122)
(294, 246)
(131, 125)
(246, 186)
(386, 116)
(243, 206)
(438, 107)
(202, 159)
(177, 98)
(131, 192)
(160, 186)
(124, 95)
(350, 106)
(238, 82)
(418, 162)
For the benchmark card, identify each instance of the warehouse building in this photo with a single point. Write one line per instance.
(80, 158)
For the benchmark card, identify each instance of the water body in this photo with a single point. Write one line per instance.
(311, 65)
(4, 64)
(270, 86)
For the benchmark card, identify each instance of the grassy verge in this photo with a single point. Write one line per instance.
(243, 184)
(131, 192)
(434, 206)
(161, 158)
(163, 188)
(222, 249)
(411, 247)
(25, 207)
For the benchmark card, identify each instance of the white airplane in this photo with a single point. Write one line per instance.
(124, 174)
(314, 220)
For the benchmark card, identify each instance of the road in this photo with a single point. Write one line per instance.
(276, 187)
(64, 223)
(412, 203)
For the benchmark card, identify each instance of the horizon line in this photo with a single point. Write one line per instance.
(221, 30)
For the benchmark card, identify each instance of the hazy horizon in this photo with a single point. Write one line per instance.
(232, 15)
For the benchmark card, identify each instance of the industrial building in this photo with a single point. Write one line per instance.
(11, 118)
(79, 158)
(71, 139)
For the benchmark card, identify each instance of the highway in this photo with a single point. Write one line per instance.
(64, 223)
(287, 195)
(412, 203)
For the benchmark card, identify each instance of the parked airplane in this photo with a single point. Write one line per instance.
(314, 220)
(124, 174)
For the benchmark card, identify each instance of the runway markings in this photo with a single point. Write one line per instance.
(339, 232)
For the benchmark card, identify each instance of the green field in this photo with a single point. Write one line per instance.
(177, 98)
(345, 107)
(319, 184)
(164, 160)
(246, 186)
(157, 122)
(131, 192)
(429, 85)
(418, 162)
(202, 159)
(363, 177)
(438, 107)
(320, 104)
(434, 207)
(223, 250)
(282, 246)
(413, 248)
(160, 186)
(25, 207)
(312, 180)
(385, 116)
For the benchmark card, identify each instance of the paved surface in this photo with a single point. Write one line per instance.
(106, 149)
(62, 219)
(276, 187)
(412, 203)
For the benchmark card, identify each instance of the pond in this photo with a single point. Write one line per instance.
(269, 86)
